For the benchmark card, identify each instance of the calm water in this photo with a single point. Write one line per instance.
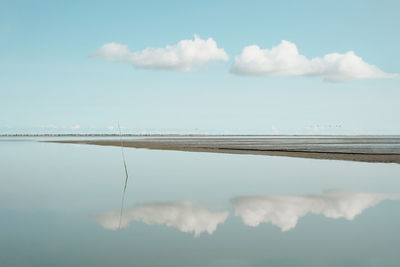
(60, 203)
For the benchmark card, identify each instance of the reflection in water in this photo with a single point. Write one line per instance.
(184, 215)
(285, 211)
(126, 177)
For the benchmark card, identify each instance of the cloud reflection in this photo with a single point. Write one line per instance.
(186, 216)
(285, 211)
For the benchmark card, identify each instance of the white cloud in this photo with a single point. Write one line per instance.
(76, 127)
(183, 215)
(285, 60)
(285, 211)
(183, 56)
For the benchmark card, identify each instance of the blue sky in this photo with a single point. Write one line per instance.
(49, 81)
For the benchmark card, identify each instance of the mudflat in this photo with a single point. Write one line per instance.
(363, 148)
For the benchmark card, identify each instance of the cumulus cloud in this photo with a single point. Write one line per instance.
(285, 60)
(285, 211)
(183, 215)
(183, 56)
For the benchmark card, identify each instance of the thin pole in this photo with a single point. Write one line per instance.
(126, 177)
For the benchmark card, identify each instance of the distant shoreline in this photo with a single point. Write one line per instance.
(202, 135)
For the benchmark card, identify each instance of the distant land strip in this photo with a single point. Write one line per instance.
(383, 150)
(193, 135)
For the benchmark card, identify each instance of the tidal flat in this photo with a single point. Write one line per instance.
(384, 149)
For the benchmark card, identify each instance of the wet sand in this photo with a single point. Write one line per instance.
(365, 149)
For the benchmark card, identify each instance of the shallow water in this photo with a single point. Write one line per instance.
(59, 206)
(327, 144)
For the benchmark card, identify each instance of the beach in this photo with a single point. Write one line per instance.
(381, 149)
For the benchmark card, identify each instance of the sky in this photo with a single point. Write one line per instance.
(227, 67)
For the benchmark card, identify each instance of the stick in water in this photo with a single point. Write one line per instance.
(126, 178)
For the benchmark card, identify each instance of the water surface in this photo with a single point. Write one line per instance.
(59, 206)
